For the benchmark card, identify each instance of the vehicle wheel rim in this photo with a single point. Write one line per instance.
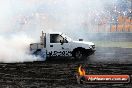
(78, 54)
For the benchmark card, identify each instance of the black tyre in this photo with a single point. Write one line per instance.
(39, 53)
(79, 54)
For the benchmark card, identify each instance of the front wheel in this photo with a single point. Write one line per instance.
(78, 54)
(82, 53)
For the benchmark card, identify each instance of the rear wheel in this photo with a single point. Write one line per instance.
(40, 53)
(37, 52)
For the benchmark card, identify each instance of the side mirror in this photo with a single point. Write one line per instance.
(61, 41)
(80, 39)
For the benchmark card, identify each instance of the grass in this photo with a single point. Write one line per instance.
(113, 44)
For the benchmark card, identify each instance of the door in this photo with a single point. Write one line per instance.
(58, 46)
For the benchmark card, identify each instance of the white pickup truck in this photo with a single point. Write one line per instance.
(59, 44)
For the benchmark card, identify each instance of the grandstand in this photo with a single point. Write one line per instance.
(116, 17)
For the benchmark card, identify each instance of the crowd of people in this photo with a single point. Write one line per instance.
(118, 15)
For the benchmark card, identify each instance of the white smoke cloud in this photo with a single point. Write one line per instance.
(14, 42)
(15, 48)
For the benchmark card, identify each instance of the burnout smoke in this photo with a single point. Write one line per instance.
(15, 48)
(14, 37)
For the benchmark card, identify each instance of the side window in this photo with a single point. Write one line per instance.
(55, 38)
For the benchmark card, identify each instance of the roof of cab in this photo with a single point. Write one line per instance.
(54, 32)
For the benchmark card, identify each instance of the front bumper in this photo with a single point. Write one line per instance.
(92, 48)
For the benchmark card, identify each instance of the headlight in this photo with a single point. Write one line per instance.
(93, 46)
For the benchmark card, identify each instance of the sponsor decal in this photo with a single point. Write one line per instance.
(82, 77)
(59, 53)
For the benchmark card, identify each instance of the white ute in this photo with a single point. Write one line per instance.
(59, 44)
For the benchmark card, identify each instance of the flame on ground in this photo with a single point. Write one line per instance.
(81, 71)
